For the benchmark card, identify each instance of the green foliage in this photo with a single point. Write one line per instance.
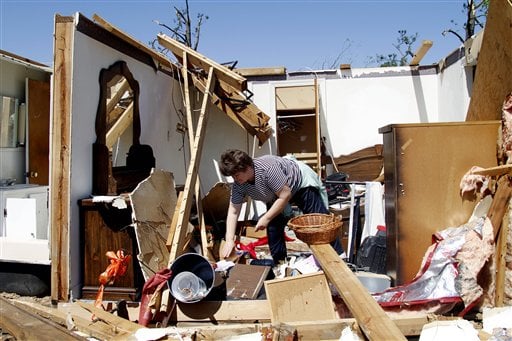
(403, 47)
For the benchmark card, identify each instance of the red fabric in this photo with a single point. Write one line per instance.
(251, 247)
(153, 285)
(117, 268)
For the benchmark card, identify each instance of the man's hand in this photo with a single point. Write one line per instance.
(262, 223)
(227, 249)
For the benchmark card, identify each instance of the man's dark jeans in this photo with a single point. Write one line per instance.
(308, 200)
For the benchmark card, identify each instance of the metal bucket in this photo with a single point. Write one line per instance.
(192, 278)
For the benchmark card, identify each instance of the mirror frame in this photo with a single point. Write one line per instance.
(104, 181)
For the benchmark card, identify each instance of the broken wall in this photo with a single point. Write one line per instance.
(355, 103)
(161, 109)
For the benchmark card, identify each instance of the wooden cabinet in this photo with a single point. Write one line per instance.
(423, 166)
(105, 228)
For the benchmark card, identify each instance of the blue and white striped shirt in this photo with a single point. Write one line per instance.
(271, 173)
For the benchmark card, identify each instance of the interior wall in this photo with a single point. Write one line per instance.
(160, 106)
(352, 109)
(455, 84)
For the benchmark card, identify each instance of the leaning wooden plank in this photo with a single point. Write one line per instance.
(158, 57)
(421, 52)
(98, 329)
(186, 203)
(190, 126)
(60, 161)
(24, 325)
(501, 262)
(372, 320)
(195, 58)
(499, 204)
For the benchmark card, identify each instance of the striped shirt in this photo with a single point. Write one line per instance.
(271, 173)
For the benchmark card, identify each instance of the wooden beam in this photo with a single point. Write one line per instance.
(421, 52)
(121, 325)
(501, 262)
(60, 157)
(261, 71)
(499, 203)
(190, 125)
(198, 60)
(24, 325)
(372, 320)
(186, 203)
(494, 171)
(120, 91)
(97, 329)
(157, 57)
(120, 126)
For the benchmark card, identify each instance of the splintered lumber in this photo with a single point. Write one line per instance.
(499, 204)
(24, 325)
(501, 262)
(97, 329)
(180, 229)
(121, 325)
(261, 71)
(198, 60)
(494, 171)
(372, 320)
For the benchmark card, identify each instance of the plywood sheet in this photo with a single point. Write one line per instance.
(494, 63)
(300, 298)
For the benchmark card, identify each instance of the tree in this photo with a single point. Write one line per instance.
(476, 14)
(183, 29)
(403, 46)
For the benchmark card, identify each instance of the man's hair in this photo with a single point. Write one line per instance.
(233, 161)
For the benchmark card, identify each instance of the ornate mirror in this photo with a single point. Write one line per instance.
(120, 162)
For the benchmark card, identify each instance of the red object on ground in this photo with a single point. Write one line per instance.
(152, 286)
(118, 265)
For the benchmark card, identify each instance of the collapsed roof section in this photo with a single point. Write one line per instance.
(230, 88)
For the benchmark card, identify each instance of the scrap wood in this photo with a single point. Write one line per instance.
(120, 325)
(62, 315)
(372, 319)
(499, 203)
(25, 325)
(494, 171)
(501, 262)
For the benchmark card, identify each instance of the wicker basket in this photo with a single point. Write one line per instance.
(315, 228)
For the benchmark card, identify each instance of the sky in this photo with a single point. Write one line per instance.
(297, 34)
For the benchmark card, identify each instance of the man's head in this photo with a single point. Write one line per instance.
(237, 164)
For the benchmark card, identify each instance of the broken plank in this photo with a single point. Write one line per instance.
(494, 171)
(421, 52)
(120, 324)
(261, 71)
(97, 329)
(501, 262)
(371, 318)
(24, 325)
(499, 204)
(198, 60)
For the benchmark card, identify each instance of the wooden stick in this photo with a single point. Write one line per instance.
(372, 319)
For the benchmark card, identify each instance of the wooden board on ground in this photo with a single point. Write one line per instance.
(245, 281)
(300, 298)
(153, 202)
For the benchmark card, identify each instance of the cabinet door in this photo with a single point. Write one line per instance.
(422, 188)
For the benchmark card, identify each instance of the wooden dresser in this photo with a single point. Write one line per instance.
(106, 228)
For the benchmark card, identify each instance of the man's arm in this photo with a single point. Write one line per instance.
(283, 197)
(231, 223)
